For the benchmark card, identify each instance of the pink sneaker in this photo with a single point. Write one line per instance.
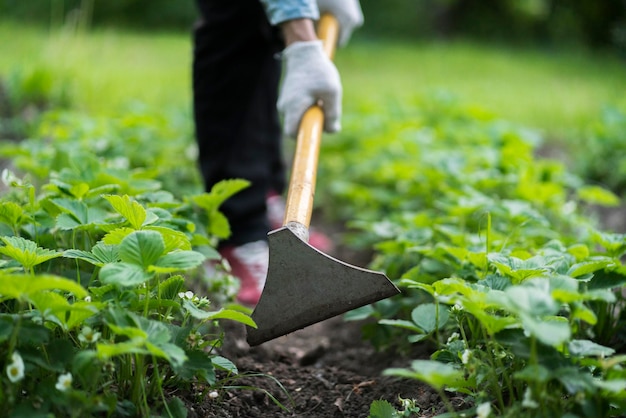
(276, 213)
(249, 263)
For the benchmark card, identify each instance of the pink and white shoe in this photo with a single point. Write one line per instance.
(249, 263)
(276, 213)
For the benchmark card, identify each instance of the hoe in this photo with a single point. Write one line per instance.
(305, 286)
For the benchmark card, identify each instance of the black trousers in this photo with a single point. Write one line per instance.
(236, 72)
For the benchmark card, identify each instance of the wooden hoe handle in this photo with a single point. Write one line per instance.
(299, 204)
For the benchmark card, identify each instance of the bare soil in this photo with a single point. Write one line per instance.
(326, 370)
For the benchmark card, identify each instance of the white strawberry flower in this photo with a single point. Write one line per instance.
(64, 382)
(15, 370)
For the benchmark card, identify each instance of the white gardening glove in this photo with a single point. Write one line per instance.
(347, 12)
(310, 77)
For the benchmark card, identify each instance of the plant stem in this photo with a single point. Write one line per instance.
(446, 401)
(494, 371)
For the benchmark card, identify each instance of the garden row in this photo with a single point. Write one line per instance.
(105, 230)
(503, 272)
(104, 234)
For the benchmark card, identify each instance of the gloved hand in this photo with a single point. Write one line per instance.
(347, 12)
(310, 76)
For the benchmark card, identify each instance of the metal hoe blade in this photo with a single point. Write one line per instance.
(305, 286)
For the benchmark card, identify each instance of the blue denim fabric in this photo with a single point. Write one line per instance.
(282, 10)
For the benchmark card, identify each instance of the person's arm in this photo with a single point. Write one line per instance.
(298, 30)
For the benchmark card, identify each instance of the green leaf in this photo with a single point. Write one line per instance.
(21, 286)
(551, 331)
(436, 374)
(134, 346)
(11, 213)
(430, 317)
(224, 364)
(76, 210)
(615, 244)
(517, 269)
(134, 213)
(584, 313)
(587, 348)
(106, 253)
(198, 364)
(171, 352)
(590, 266)
(382, 409)
(533, 299)
(133, 333)
(171, 287)
(218, 225)
(26, 252)
(178, 260)
(83, 255)
(400, 323)
(607, 280)
(173, 240)
(116, 236)
(597, 195)
(142, 248)
(219, 193)
(100, 254)
(575, 380)
(221, 314)
(124, 274)
(176, 408)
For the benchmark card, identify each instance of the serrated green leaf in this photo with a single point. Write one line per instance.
(178, 260)
(221, 314)
(218, 225)
(588, 348)
(225, 364)
(134, 333)
(124, 274)
(135, 346)
(584, 313)
(21, 286)
(85, 256)
(219, 193)
(382, 409)
(171, 287)
(116, 236)
(552, 331)
(434, 373)
(142, 248)
(132, 211)
(74, 209)
(177, 408)
(11, 213)
(26, 252)
(590, 266)
(429, 317)
(173, 240)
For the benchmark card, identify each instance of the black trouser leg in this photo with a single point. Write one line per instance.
(236, 73)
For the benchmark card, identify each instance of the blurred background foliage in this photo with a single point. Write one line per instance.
(593, 23)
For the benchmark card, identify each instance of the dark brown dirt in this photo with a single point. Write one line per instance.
(325, 370)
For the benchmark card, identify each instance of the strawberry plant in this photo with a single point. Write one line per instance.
(97, 262)
(503, 274)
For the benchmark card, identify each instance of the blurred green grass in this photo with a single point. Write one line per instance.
(552, 90)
